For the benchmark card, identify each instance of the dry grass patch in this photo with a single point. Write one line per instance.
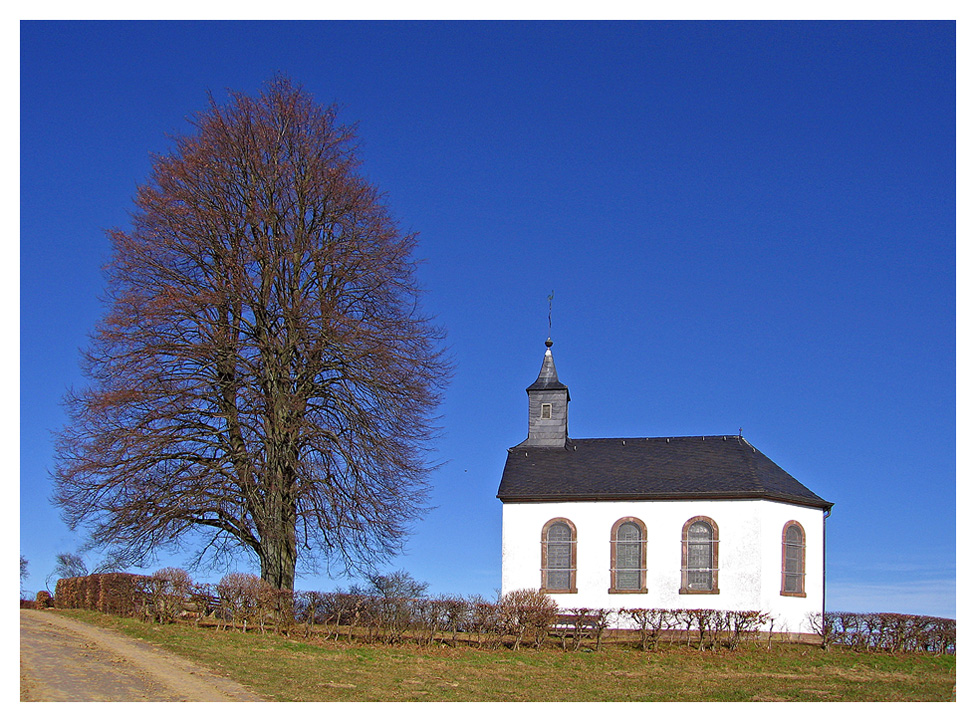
(317, 670)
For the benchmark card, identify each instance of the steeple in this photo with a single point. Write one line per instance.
(548, 406)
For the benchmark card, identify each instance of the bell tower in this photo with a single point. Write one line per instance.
(548, 406)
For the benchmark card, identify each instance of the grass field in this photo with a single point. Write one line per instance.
(292, 669)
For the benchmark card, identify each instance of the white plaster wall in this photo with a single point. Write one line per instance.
(750, 554)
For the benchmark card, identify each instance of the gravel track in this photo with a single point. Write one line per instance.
(64, 660)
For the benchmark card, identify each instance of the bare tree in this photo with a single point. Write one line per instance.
(66, 566)
(394, 598)
(263, 376)
(69, 564)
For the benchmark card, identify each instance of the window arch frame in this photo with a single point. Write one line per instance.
(800, 574)
(685, 586)
(642, 569)
(544, 586)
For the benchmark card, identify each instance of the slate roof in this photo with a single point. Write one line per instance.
(687, 467)
(548, 378)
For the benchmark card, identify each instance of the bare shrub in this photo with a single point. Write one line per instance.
(708, 624)
(528, 612)
(685, 619)
(428, 614)
(352, 611)
(392, 617)
(599, 621)
(823, 626)
(392, 603)
(740, 625)
(440, 616)
(650, 624)
(202, 602)
(577, 624)
(240, 597)
(941, 636)
(486, 622)
(309, 610)
(277, 609)
(168, 590)
(457, 615)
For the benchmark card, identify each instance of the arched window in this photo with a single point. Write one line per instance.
(794, 560)
(559, 556)
(699, 556)
(628, 557)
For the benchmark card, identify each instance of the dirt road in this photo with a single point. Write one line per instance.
(64, 660)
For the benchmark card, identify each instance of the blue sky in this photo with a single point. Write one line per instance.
(744, 224)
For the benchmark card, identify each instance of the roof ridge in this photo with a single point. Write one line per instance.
(670, 436)
(751, 463)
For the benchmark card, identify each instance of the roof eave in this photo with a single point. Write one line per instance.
(718, 496)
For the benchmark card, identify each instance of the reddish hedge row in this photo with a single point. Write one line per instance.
(243, 601)
(112, 593)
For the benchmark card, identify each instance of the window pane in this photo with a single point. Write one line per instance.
(559, 532)
(700, 556)
(557, 580)
(700, 580)
(628, 532)
(558, 556)
(700, 531)
(628, 579)
(792, 560)
(628, 556)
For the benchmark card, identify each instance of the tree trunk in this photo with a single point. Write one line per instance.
(278, 566)
(279, 555)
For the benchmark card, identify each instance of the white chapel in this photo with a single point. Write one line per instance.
(674, 522)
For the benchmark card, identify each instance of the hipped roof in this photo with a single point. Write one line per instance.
(665, 468)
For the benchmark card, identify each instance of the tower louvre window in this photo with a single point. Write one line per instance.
(546, 411)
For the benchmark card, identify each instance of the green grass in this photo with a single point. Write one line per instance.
(292, 669)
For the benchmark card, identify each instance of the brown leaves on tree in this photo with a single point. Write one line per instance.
(263, 375)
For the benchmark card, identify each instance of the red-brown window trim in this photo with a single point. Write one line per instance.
(643, 556)
(684, 557)
(572, 557)
(803, 561)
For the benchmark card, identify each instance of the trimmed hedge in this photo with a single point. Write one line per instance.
(113, 593)
(887, 632)
(244, 601)
(709, 628)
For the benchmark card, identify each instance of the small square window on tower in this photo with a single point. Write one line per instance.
(546, 411)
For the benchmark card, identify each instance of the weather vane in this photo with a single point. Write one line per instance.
(551, 294)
